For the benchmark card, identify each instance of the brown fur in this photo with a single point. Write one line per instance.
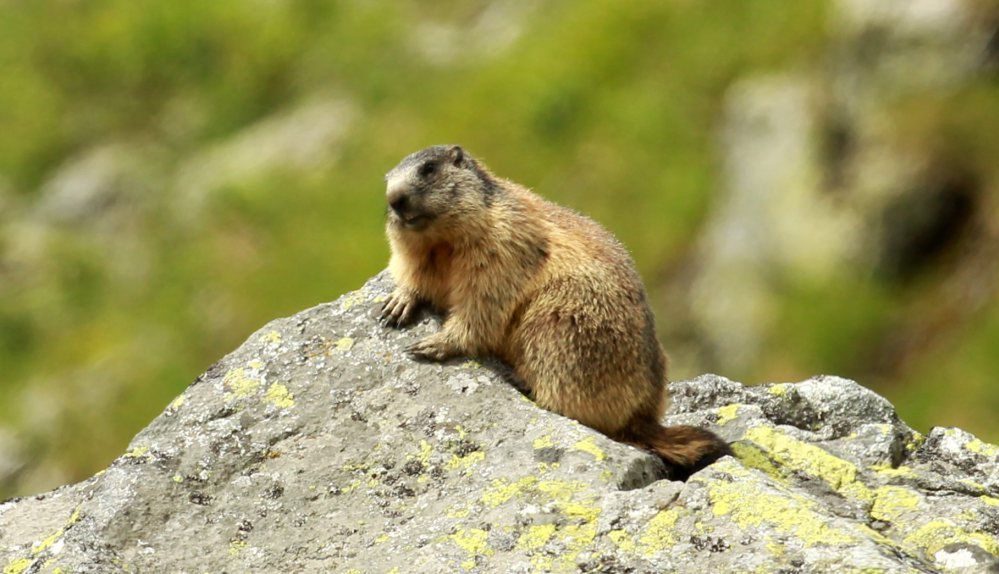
(540, 286)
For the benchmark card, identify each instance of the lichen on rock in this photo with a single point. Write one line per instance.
(319, 445)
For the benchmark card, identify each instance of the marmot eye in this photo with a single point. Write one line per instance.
(427, 169)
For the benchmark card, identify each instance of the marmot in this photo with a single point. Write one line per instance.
(540, 286)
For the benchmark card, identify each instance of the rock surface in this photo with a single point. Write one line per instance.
(319, 446)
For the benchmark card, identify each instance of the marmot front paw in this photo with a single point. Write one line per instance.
(436, 347)
(400, 309)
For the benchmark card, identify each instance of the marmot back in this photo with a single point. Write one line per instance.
(540, 286)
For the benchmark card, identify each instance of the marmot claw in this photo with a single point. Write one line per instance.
(399, 310)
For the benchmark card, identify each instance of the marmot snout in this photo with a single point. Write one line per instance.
(540, 286)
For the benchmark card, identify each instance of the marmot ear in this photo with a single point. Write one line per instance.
(456, 154)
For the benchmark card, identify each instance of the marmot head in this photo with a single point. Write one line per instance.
(435, 186)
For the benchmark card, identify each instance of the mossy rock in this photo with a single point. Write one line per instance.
(318, 445)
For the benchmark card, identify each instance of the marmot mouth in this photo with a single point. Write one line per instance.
(417, 221)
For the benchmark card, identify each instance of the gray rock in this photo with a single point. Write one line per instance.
(301, 138)
(11, 455)
(491, 33)
(816, 187)
(772, 216)
(910, 44)
(101, 189)
(318, 445)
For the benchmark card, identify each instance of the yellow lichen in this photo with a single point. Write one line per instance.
(778, 390)
(991, 501)
(576, 538)
(137, 452)
(355, 466)
(570, 498)
(464, 462)
(727, 413)
(877, 536)
(278, 395)
(502, 491)
(239, 384)
(272, 337)
(17, 566)
(236, 546)
(425, 450)
(535, 537)
(589, 445)
(973, 484)
(473, 541)
(546, 467)
(560, 489)
(799, 456)
(888, 470)
(915, 442)
(967, 515)
(660, 532)
(622, 540)
(750, 506)
(472, 364)
(177, 478)
(857, 490)
(543, 442)
(890, 502)
(587, 512)
(541, 562)
(936, 534)
(753, 457)
(982, 448)
(775, 547)
(255, 364)
(344, 344)
(382, 538)
(47, 541)
(176, 403)
(348, 301)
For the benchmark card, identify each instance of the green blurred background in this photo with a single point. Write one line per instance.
(807, 187)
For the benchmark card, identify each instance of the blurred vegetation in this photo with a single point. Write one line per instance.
(613, 111)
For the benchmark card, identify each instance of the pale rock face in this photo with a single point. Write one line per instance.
(299, 139)
(487, 35)
(318, 445)
(814, 180)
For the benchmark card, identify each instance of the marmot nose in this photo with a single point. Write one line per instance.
(398, 200)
